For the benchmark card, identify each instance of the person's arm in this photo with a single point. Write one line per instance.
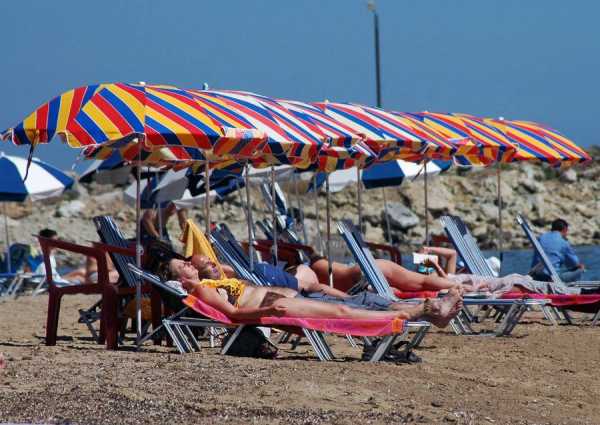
(148, 223)
(448, 254)
(211, 297)
(440, 271)
(324, 289)
(228, 270)
(571, 259)
(182, 217)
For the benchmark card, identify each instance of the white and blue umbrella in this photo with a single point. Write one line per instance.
(18, 184)
(43, 180)
(393, 173)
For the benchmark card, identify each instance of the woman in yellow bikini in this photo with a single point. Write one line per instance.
(241, 300)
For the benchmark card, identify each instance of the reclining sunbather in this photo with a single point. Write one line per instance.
(242, 300)
(345, 277)
(510, 283)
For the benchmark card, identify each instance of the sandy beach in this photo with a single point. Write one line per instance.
(541, 375)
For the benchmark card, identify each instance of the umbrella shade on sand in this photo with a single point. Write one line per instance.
(43, 181)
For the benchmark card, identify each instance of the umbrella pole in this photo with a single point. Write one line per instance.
(239, 193)
(249, 216)
(138, 249)
(328, 210)
(426, 204)
(207, 197)
(274, 207)
(387, 218)
(498, 171)
(159, 211)
(300, 209)
(8, 265)
(359, 199)
(317, 218)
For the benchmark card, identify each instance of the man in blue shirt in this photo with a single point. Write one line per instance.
(560, 253)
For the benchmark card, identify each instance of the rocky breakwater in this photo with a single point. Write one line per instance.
(539, 192)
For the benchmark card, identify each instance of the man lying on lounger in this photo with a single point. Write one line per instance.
(242, 300)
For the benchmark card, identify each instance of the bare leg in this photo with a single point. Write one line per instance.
(344, 277)
(297, 307)
(309, 282)
(406, 280)
(442, 310)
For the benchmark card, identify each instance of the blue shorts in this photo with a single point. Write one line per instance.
(365, 300)
(277, 277)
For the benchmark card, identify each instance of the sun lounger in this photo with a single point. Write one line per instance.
(582, 299)
(546, 261)
(122, 255)
(466, 246)
(461, 324)
(179, 324)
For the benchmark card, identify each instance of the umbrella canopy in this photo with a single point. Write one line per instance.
(537, 142)
(382, 131)
(43, 181)
(288, 140)
(390, 173)
(393, 173)
(477, 142)
(124, 114)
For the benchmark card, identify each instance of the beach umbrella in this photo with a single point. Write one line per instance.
(44, 181)
(134, 117)
(533, 142)
(538, 142)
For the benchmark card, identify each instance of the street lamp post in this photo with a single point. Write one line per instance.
(371, 6)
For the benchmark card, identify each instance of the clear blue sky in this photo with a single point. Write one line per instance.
(534, 59)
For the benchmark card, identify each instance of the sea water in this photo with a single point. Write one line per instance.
(519, 261)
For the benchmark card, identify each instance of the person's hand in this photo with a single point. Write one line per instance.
(425, 250)
(278, 310)
(188, 284)
(430, 262)
(581, 266)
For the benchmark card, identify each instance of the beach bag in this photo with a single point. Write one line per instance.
(251, 342)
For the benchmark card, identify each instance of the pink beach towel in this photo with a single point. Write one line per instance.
(556, 300)
(373, 327)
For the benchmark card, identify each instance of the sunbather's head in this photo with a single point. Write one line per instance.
(207, 269)
(176, 269)
(48, 233)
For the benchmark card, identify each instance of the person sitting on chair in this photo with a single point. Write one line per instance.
(242, 300)
(560, 253)
(87, 274)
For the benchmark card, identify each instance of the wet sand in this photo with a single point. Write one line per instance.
(541, 375)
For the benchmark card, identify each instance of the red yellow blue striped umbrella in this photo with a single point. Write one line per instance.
(537, 142)
(117, 114)
(288, 141)
(477, 142)
(382, 131)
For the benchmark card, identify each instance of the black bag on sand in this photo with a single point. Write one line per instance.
(251, 342)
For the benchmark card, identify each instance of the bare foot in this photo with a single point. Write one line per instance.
(445, 309)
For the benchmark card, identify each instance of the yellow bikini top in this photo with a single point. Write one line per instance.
(234, 287)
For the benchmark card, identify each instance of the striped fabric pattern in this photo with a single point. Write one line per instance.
(477, 143)
(380, 130)
(287, 141)
(537, 142)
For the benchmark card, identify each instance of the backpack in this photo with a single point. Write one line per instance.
(251, 342)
